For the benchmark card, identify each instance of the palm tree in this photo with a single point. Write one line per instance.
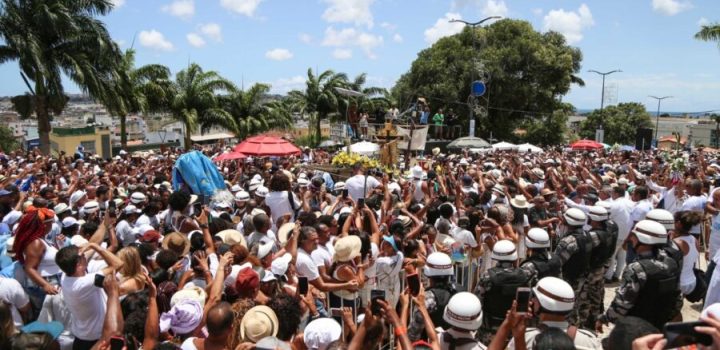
(319, 97)
(52, 38)
(195, 100)
(252, 113)
(141, 89)
(709, 32)
(373, 97)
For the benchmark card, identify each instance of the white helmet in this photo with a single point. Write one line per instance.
(650, 232)
(537, 238)
(662, 216)
(554, 294)
(575, 217)
(438, 264)
(262, 191)
(604, 204)
(504, 250)
(598, 213)
(464, 311)
(242, 196)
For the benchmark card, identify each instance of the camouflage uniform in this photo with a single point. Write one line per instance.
(435, 308)
(573, 252)
(649, 290)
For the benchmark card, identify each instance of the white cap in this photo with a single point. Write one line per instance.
(69, 221)
(575, 217)
(61, 208)
(537, 238)
(554, 294)
(262, 191)
(236, 188)
(650, 232)
(76, 196)
(280, 265)
(438, 264)
(598, 213)
(504, 250)
(417, 172)
(137, 197)
(464, 311)
(264, 248)
(662, 216)
(131, 209)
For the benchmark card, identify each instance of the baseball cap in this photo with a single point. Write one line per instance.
(69, 221)
(150, 236)
(54, 328)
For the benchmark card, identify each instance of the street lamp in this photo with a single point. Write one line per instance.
(473, 25)
(602, 97)
(657, 116)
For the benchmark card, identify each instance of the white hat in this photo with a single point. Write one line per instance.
(258, 322)
(242, 196)
(280, 265)
(91, 207)
(464, 311)
(189, 293)
(520, 202)
(257, 211)
(537, 238)
(539, 173)
(231, 237)
(76, 196)
(303, 182)
(69, 221)
(598, 213)
(438, 264)
(255, 183)
(321, 332)
(662, 216)
(339, 186)
(417, 172)
(575, 217)
(264, 248)
(137, 197)
(554, 294)
(262, 191)
(268, 276)
(235, 188)
(347, 248)
(61, 208)
(131, 209)
(504, 250)
(78, 241)
(650, 232)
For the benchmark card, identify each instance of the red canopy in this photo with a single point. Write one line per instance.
(262, 146)
(586, 145)
(230, 156)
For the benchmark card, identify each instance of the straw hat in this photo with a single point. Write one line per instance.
(520, 202)
(284, 233)
(232, 237)
(259, 322)
(177, 242)
(347, 248)
(189, 293)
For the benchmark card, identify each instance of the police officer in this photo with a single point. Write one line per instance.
(497, 286)
(573, 253)
(439, 269)
(538, 262)
(667, 219)
(553, 301)
(650, 285)
(464, 315)
(603, 233)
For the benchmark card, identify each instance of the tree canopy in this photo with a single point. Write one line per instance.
(528, 72)
(619, 122)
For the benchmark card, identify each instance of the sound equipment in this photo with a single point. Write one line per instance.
(643, 139)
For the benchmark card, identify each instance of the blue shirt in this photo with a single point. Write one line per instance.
(424, 117)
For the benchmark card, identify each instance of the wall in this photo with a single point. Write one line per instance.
(67, 140)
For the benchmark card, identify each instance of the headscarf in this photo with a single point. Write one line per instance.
(31, 227)
(183, 318)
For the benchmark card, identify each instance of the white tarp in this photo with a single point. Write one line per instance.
(528, 148)
(364, 148)
(504, 146)
(419, 137)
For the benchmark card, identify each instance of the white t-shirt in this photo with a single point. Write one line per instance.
(697, 204)
(124, 232)
(464, 236)
(356, 186)
(88, 304)
(305, 266)
(11, 292)
(279, 205)
(641, 209)
(323, 256)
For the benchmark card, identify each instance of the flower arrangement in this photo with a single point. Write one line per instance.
(344, 159)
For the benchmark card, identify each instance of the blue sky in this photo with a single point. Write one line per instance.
(276, 41)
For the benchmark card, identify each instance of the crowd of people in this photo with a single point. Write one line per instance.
(463, 251)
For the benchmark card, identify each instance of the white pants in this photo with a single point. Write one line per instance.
(617, 263)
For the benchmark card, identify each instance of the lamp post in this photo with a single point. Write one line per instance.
(602, 100)
(657, 116)
(473, 25)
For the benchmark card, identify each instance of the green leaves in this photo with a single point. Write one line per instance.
(619, 122)
(709, 33)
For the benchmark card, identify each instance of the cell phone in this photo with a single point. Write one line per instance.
(376, 294)
(413, 282)
(99, 280)
(117, 343)
(197, 208)
(345, 193)
(361, 202)
(302, 285)
(680, 334)
(112, 209)
(336, 312)
(522, 296)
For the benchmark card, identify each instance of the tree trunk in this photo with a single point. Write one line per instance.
(123, 132)
(188, 140)
(717, 134)
(318, 133)
(43, 120)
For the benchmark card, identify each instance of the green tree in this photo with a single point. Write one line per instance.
(253, 113)
(716, 118)
(548, 129)
(710, 32)
(319, 97)
(7, 140)
(619, 122)
(195, 101)
(137, 90)
(52, 38)
(526, 74)
(373, 97)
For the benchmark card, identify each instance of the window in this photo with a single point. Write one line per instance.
(88, 145)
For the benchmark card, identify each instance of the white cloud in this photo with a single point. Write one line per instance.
(117, 3)
(352, 37)
(537, 11)
(243, 7)
(569, 23)
(495, 8)
(349, 11)
(703, 22)
(305, 38)
(212, 31)
(195, 40)
(121, 43)
(184, 9)
(397, 38)
(670, 7)
(389, 26)
(155, 40)
(342, 54)
(443, 28)
(284, 85)
(279, 54)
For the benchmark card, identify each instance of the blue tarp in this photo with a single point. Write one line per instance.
(197, 173)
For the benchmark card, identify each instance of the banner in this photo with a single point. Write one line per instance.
(419, 137)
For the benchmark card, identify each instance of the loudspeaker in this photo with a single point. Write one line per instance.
(643, 139)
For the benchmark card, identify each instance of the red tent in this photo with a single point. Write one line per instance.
(263, 146)
(229, 156)
(586, 145)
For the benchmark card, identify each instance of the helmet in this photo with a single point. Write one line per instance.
(604, 204)
(242, 196)
(438, 264)
(262, 191)
(504, 250)
(464, 311)
(598, 213)
(662, 216)
(574, 217)
(650, 232)
(537, 238)
(554, 294)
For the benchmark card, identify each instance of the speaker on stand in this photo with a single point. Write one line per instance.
(643, 139)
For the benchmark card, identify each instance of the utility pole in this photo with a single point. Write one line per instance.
(599, 135)
(657, 116)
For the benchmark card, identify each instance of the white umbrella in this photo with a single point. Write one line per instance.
(364, 148)
(526, 147)
(504, 146)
